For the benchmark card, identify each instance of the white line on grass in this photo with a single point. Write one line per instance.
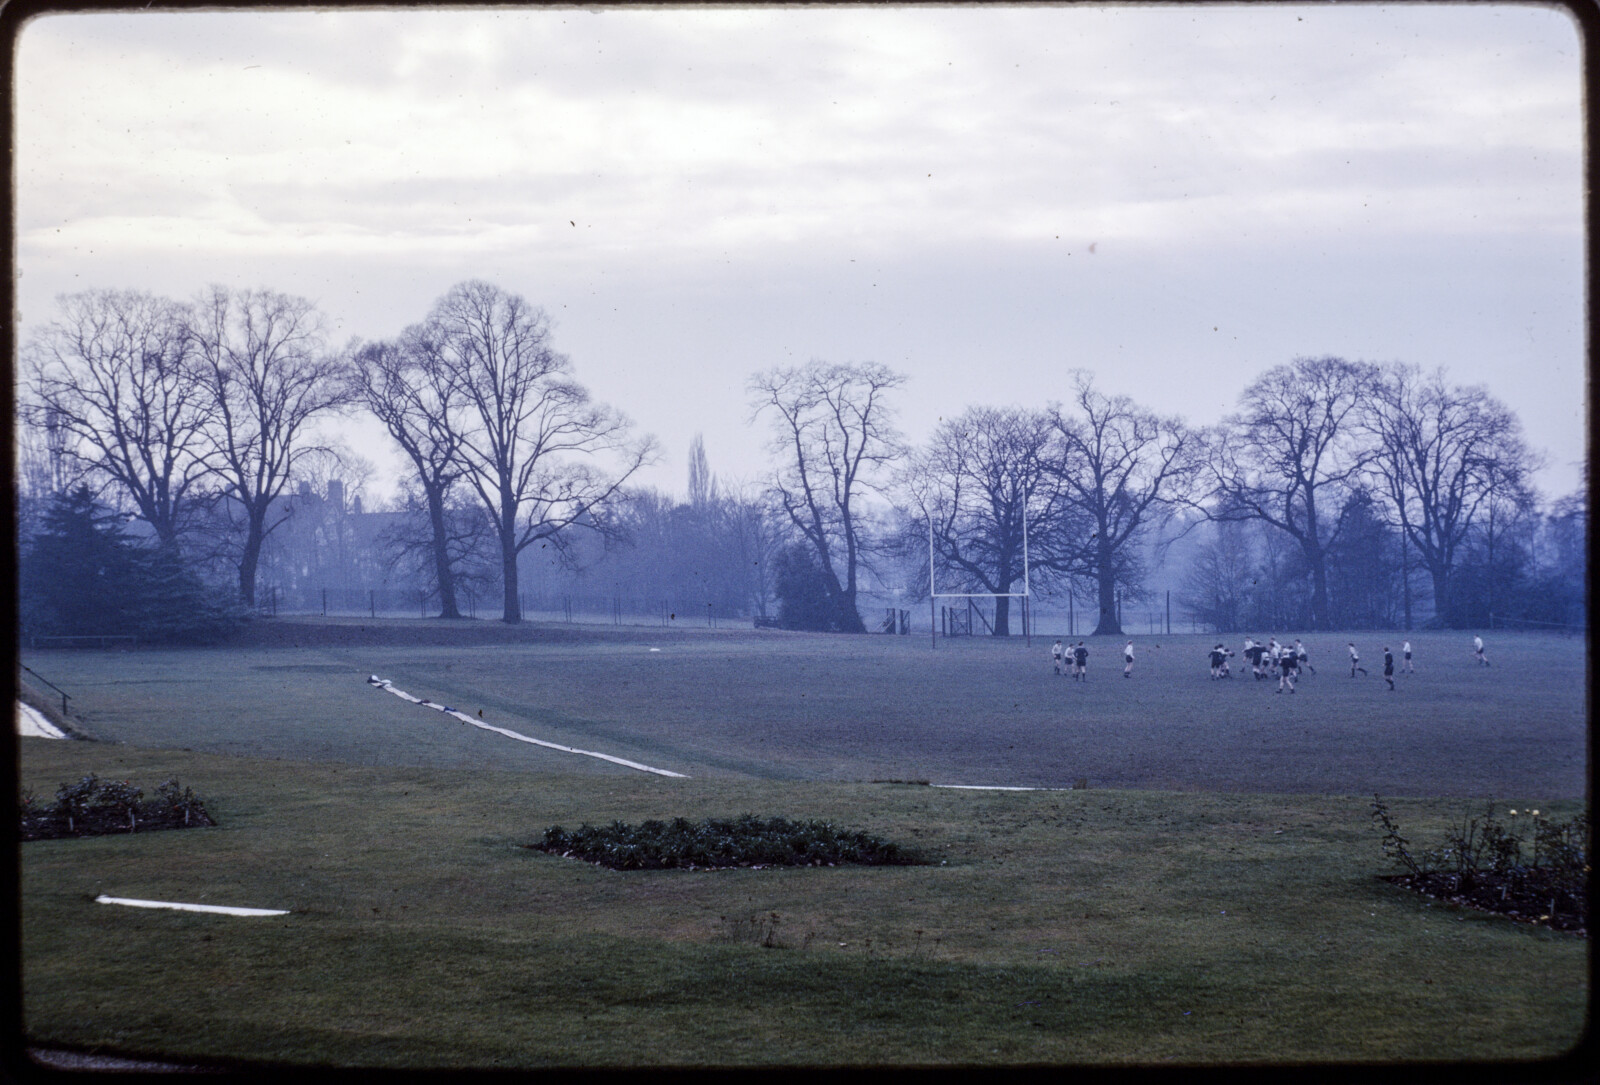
(992, 787)
(384, 683)
(32, 724)
(217, 908)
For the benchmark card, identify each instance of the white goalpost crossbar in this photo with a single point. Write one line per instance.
(935, 594)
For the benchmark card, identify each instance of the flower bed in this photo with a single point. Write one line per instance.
(746, 841)
(96, 807)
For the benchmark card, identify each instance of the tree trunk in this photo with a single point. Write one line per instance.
(1319, 588)
(1002, 616)
(249, 561)
(441, 558)
(508, 575)
(506, 527)
(1107, 577)
(849, 617)
(1441, 591)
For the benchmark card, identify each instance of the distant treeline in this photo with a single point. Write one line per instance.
(174, 436)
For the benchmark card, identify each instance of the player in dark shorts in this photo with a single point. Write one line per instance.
(1388, 667)
(1217, 660)
(1355, 661)
(1304, 657)
(1080, 662)
(1287, 663)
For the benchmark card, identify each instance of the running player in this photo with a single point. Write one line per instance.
(1080, 662)
(1218, 661)
(1405, 652)
(1355, 661)
(1287, 662)
(1127, 660)
(1056, 655)
(1388, 667)
(1252, 654)
(1302, 657)
(1477, 650)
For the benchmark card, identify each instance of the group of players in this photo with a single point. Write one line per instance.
(1286, 660)
(1076, 658)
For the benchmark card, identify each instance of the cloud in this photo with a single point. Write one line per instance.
(888, 183)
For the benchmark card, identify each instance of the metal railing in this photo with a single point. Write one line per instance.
(52, 685)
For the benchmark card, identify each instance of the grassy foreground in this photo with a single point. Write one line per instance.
(1108, 927)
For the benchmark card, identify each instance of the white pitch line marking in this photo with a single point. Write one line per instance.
(216, 908)
(993, 787)
(32, 724)
(384, 683)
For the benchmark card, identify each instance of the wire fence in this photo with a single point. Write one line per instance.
(1500, 621)
(576, 608)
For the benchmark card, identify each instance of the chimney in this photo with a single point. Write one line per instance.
(355, 504)
(336, 493)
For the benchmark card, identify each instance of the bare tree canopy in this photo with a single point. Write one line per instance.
(114, 384)
(1291, 455)
(1122, 469)
(264, 363)
(984, 478)
(1442, 453)
(412, 396)
(833, 437)
(528, 434)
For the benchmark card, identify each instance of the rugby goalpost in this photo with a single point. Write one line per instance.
(934, 594)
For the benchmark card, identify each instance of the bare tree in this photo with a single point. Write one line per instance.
(1292, 454)
(412, 396)
(113, 381)
(984, 478)
(1122, 469)
(1442, 452)
(702, 483)
(832, 434)
(1217, 586)
(528, 434)
(264, 364)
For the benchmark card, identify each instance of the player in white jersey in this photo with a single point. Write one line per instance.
(1405, 653)
(1355, 661)
(1056, 655)
(1127, 658)
(1477, 650)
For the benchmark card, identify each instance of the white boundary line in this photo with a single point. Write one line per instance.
(385, 684)
(993, 787)
(32, 724)
(216, 908)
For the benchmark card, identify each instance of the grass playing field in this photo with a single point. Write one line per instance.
(1211, 898)
(814, 707)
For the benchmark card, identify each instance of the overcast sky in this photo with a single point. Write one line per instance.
(1175, 197)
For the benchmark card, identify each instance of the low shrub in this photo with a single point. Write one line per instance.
(746, 841)
(95, 807)
(1529, 868)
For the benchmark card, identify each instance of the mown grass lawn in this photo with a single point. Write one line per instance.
(782, 706)
(1098, 926)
